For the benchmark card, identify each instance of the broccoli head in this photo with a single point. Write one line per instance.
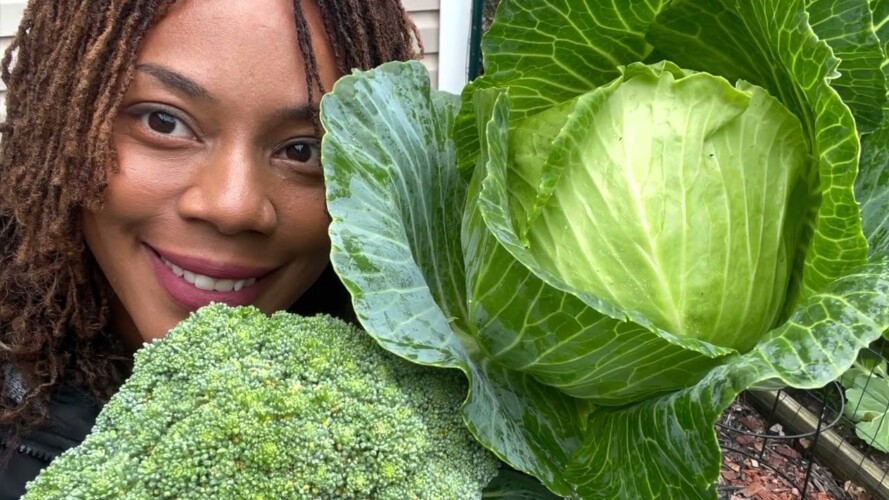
(236, 404)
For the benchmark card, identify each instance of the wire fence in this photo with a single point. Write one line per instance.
(826, 443)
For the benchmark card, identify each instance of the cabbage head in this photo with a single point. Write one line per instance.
(642, 209)
(678, 199)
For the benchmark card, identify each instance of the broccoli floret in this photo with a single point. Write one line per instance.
(235, 404)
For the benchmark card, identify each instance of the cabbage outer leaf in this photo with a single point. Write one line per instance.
(848, 27)
(396, 201)
(550, 51)
(679, 448)
(880, 19)
(872, 188)
(408, 239)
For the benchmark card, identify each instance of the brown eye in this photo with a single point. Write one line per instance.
(305, 151)
(162, 122)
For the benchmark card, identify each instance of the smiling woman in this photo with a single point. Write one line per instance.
(158, 156)
(217, 188)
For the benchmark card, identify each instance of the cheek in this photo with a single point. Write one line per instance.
(304, 220)
(125, 203)
(143, 185)
(303, 236)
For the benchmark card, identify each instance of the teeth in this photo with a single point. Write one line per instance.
(224, 285)
(203, 282)
(207, 283)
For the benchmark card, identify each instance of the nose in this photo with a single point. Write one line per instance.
(230, 192)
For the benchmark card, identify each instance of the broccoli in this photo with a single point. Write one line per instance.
(236, 404)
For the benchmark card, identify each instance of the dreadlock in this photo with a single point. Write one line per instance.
(66, 73)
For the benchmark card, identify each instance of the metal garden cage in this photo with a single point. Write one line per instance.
(842, 427)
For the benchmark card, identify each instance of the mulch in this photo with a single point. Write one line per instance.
(777, 468)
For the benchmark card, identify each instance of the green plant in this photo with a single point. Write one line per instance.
(640, 210)
(867, 399)
(233, 404)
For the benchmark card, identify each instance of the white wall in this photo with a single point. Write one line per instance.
(426, 15)
(453, 60)
(10, 13)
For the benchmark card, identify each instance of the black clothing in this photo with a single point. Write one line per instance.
(72, 414)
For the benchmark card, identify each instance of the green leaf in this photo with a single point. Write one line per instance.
(549, 51)
(848, 27)
(393, 194)
(880, 16)
(395, 231)
(872, 188)
(679, 454)
(527, 424)
(875, 432)
(770, 44)
(867, 404)
(867, 398)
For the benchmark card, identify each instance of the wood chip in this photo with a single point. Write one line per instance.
(787, 451)
(753, 489)
(745, 440)
(752, 424)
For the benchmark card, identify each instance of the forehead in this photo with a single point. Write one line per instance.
(236, 43)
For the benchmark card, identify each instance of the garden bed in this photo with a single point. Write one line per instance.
(780, 467)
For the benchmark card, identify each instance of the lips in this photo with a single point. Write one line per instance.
(195, 282)
(213, 269)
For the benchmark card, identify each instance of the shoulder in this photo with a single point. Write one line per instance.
(71, 415)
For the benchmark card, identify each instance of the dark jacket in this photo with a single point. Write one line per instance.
(72, 414)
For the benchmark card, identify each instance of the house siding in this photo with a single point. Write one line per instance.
(10, 14)
(425, 14)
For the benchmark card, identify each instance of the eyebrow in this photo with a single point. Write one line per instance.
(300, 113)
(176, 81)
(185, 85)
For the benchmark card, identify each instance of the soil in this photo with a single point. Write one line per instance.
(778, 468)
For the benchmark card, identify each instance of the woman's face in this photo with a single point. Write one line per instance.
(220, 193)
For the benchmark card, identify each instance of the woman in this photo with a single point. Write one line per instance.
(157, 156)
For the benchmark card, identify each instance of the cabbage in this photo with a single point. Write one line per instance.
(642, 209)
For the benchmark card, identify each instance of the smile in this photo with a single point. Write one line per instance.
(207, 283)
(193, 282)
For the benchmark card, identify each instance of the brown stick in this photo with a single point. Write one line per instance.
(831, 449)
